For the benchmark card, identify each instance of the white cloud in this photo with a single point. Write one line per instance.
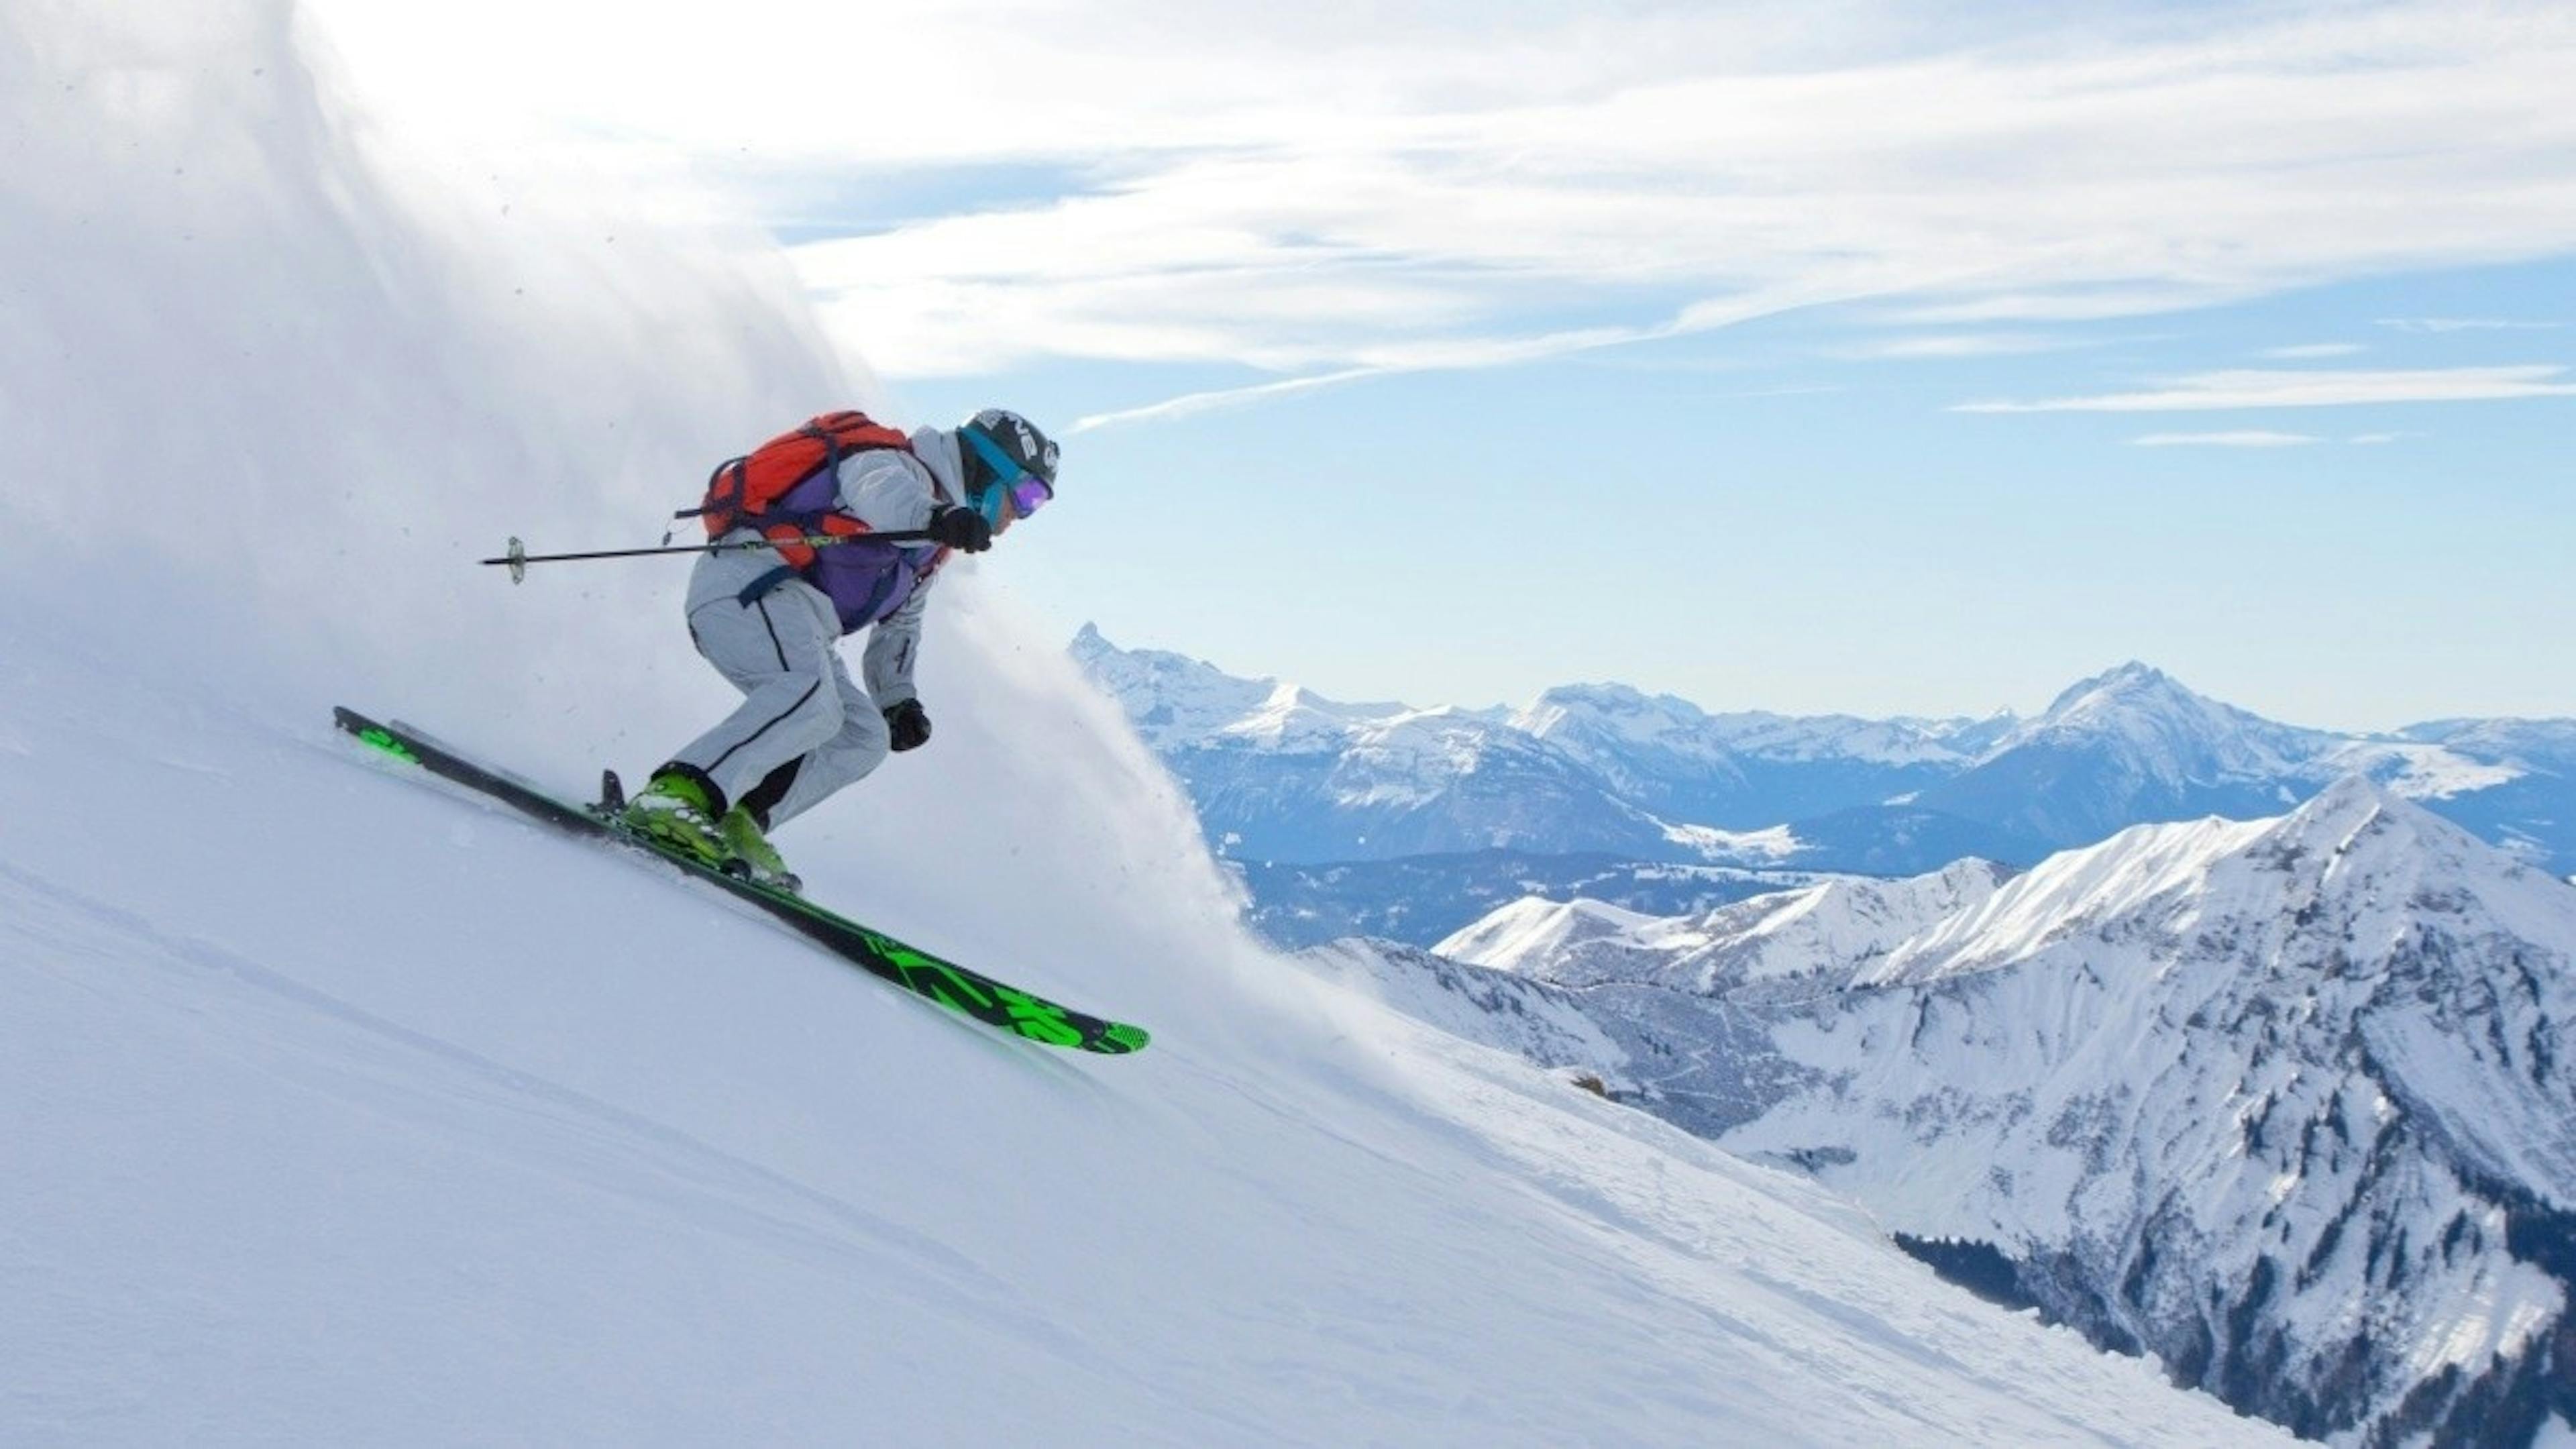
(1310, 193)
(2242, 439)
(2313, 350)
(1216, 399)
(1941, 345)
(2464, 324)
(2249, 388)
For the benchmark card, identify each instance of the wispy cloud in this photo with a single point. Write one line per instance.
(2251, 388)
(2241, 439)
(1940, 345)
(1308, 197)
(1450, 355)
(2311, 351)
(2070, 300)
(1220, 398)
(2466, 324)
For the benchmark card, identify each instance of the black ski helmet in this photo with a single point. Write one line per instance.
(1016, 438)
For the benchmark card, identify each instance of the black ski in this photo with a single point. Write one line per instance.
(967, 992)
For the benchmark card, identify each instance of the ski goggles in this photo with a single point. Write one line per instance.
(1028, 492)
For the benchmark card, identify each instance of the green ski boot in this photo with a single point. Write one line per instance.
(752, 856)
(673, 812)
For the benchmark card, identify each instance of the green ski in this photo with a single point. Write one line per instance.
(967, 992)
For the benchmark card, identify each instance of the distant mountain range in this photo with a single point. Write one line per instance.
(2289, 1103)
(2195, 1031)
(1285, 777)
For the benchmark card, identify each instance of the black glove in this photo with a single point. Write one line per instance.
(909, 724)
(961, 528)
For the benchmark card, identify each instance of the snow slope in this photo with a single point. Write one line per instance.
(415, 1122)
(338, 1109)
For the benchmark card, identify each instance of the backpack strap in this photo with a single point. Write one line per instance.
(835, 436)
(724, 494)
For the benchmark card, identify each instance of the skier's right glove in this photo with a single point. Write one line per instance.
(909, 724)
(962, 529)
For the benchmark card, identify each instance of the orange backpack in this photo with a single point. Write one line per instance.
(755, 488)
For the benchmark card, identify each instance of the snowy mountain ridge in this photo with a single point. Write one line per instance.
(2168, 733)
(2286, 1102)
(1655, 776)
(1617, 715)
(1178, 702)
(1813, 939)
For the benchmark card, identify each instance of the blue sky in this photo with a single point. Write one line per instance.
(1855, 357)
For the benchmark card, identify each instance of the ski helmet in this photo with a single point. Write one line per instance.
(999, 431)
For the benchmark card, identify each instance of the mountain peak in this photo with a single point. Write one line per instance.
(2165, 732)
(2338, 818)
(2130, 685)
(2349, 795)
(1618, 713)
(1623, 707)
(1608, 694)
(1534, 928)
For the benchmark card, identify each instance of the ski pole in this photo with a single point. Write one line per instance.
(518, 558)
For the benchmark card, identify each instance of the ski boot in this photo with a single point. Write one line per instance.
(674, 813)
(750, 855)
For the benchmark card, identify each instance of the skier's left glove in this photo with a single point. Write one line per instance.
(909, 724)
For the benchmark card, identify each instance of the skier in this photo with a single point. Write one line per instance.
(770, 618)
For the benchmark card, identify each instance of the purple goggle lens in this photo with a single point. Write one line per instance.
(1029, 494)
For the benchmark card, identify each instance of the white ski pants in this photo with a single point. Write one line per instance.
(805, 728)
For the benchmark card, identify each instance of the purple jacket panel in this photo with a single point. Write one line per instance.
(865, 581)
